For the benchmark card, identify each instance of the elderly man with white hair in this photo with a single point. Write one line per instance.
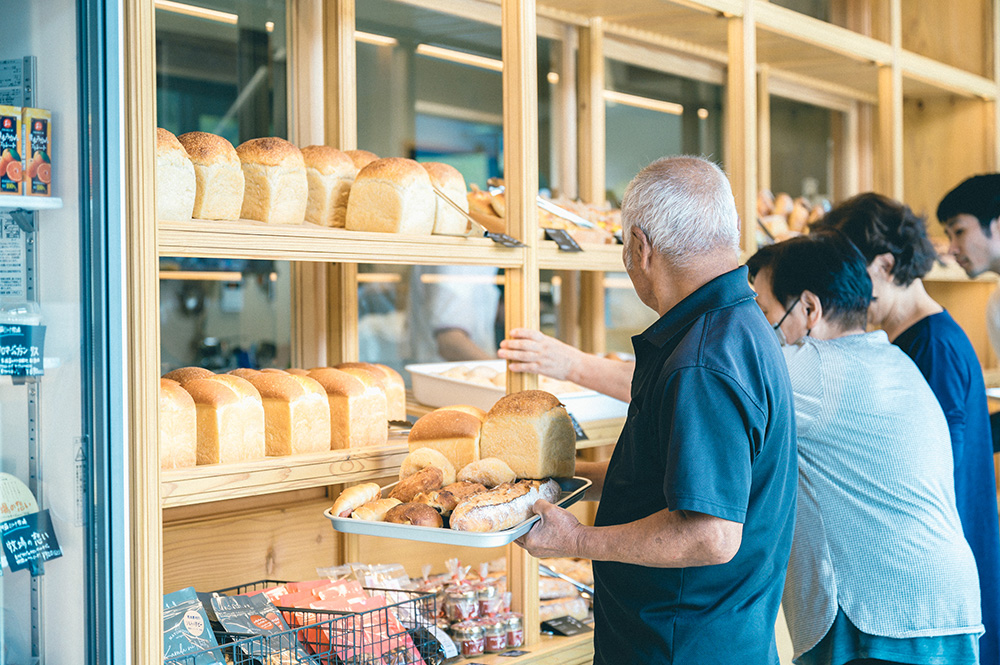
(694, 527)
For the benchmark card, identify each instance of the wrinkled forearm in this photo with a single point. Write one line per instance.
(611, 377)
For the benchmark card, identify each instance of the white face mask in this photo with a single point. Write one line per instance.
(782, 340)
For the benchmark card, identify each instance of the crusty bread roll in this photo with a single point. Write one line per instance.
(416, 514)
(354, 497)
(448, 179)
(296, 412)
(178, 427)
(473, 411)
(357, 409)
(374, 511)
(330, 174)
(532, 432)
(175, 180)
(445, 499)
(361, 158)
(488, 471)
(277, 189)
(452, 432)
(392, 195)
(185, 374)
(395, 388)
(230, 419)
(502, 507)
(425, 457)
(218, 176)
(426, 480)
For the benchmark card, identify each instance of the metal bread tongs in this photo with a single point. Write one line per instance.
(581, 587)
(502, 238)
(496, 186)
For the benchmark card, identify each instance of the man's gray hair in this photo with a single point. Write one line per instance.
(685, 207)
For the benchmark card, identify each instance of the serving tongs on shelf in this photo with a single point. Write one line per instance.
(497, 187)
(480, 226)
(580, 586)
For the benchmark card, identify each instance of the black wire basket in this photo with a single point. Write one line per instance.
(396, 634)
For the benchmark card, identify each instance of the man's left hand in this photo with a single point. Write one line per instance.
(557, 533)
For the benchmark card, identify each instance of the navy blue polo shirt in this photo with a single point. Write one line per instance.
(710, 429)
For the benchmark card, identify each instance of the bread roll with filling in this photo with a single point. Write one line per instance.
(178, 427)
(392, 195)
(488, 471)
(296, 412)
(448, 179)
(218, 175)
(277, 189)
(395, 389)
(502, 507)
(422, 458)
(357, 409)
(330, 174)
(354, 497)
(532, 432)
(416, 514)
(175, 179)
(185, 374)
(452, 432)
(374, 511)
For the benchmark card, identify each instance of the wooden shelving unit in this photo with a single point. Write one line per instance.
(901, 108)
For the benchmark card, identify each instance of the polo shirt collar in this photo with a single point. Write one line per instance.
(726, 290)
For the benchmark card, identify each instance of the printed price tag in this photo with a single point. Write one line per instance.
(21, 349)
(29, 540)
(563, 240)
(565, 626)
(580, 434)
(513, 654)
(504, 239)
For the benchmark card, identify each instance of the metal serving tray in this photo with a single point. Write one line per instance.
(572, 491)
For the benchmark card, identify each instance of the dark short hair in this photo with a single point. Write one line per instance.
(978, 196)
(763, 259)
(878, 225)
(829, 265)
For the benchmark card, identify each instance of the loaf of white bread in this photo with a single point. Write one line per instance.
(392, 383)
(230, 417)
(330, 174)
(532, 432)
(175, 179)
(453, 431)
(178, 427)
(277, 189)
(185, 374)
(392, 195)
(296, 412)
(218, 175)
(357, 408)
(361, 158)
(448, 179)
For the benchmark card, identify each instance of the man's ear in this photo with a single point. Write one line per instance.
(884, 263)
(812, 308)
(643, 247)
(994, 228)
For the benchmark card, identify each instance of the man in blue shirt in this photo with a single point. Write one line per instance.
(695, 523)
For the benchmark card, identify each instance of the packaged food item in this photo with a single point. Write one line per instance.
(186, 629)
(37, 152)
(495, 635)
(255, 615)
(515, 628)
(489, 599)
(461, 604)
(470, 638)
(11, 167)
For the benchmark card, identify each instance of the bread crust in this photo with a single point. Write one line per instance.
(527, 403)
(417, 514)
(361, 158)
(374, 511)
(489, 471)
(206, 149)
(396, 171)
(185, 374)
(337, 382)
(422, 458)
(329, 161)
(211, 393)
(503, 507)
(427, 479)
(354, 497)
(444, 424)
(168, 145)
(271, 151)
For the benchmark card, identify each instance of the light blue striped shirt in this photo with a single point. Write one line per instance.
(876, 530)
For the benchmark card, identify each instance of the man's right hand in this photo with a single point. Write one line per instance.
(537, 353)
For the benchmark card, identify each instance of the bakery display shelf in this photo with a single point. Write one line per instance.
(925, 77)
(30, 203)
(949, 271)
(245, 239)
(606, 258)
(218, 482)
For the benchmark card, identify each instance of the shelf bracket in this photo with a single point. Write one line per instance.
(24, 218)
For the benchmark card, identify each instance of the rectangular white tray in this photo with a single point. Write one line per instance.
(432, 389)
(572, 491)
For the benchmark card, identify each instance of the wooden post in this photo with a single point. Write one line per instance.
(763, 128)
(741, 97)
(520, 132)
(889, 159)
(142, 305)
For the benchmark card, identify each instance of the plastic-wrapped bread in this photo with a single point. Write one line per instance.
(330, 174)
(296, 412)
(230, 419)
(503, 507)
(277, 189)
(218, 175)
(392, 382)
(392, 195)
(532, 432)
(448, 179)
(357, 409)
(175, 179)
(178, 427)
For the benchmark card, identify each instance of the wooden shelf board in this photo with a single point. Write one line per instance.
(606, 258)
(575, 650)
(952, 272)
(805, 30)
(245, 239)
(205, 484)
(925, 77)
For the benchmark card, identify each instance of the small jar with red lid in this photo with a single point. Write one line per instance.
(495, 632)
(489, 599)
(470, 638)
(514, 623)
(461, 604)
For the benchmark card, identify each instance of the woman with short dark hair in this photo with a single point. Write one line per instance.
(894, 243)
(880, 571)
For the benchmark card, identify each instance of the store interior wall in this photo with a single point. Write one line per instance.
(802, 149)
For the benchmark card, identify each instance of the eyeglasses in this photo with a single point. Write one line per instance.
(777, 326)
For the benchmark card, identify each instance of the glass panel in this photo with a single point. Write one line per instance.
(802, 149)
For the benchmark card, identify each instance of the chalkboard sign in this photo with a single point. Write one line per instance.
(28, 541)
(580, 434)
(563, 240)
(504, 239)
(21, 349)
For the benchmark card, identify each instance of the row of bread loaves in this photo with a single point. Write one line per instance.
(208, 418)
(270, 180)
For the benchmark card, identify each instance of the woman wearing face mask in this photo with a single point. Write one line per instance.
(894, 242)
(880, 571)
